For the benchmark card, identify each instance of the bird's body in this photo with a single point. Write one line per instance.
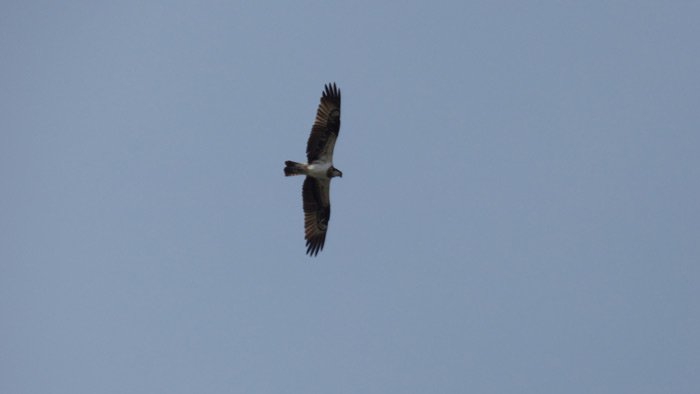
(319, 169)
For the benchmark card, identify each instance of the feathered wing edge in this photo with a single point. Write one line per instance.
(326, 127)
(317, 213)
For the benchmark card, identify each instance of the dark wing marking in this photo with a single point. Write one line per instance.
(326, 126)
(317, 212)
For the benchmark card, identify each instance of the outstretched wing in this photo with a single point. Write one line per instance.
(326, 126)
(317, 212)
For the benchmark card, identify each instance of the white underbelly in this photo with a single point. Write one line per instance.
(318, 170)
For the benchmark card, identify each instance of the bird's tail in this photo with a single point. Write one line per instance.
(294, 168)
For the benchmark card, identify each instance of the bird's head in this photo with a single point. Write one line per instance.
(336, 172)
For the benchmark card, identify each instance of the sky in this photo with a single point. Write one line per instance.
(519, 211)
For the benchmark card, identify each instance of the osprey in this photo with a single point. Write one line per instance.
(319, 169)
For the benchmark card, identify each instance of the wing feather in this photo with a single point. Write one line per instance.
(326, 127)
(317, 212)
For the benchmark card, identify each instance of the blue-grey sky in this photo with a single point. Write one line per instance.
(519, 211)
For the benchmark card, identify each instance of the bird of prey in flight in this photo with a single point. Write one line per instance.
(319, 169)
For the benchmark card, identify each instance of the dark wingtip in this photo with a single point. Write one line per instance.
(313, 246)
(312, 249)
(331, 90)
